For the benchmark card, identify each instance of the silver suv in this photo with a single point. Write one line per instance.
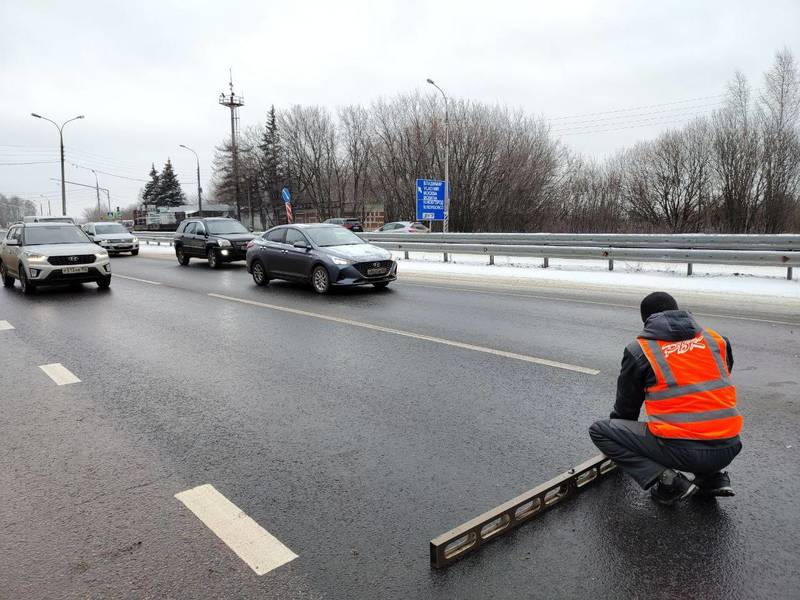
(51, 254)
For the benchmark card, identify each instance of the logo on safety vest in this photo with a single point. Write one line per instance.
(684, 346)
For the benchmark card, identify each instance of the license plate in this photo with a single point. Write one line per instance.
(73, 270)
(377, 271)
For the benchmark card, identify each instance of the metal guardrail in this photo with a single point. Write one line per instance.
(726, 249)
(472, 535)
(761, 250)
(783, 242)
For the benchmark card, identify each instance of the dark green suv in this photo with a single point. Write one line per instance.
(218, 240)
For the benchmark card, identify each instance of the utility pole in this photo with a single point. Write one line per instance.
(446, 160)
(61, 146)
(199, 189)
(233, 102)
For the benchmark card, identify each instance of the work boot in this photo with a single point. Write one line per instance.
(714, 484)
(672, 487)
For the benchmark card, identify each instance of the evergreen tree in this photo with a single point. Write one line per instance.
(169, 188)
(150, 193)
(273, 165)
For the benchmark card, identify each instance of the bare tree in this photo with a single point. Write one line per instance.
(779, 115)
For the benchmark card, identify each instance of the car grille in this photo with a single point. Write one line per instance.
(119, 241)
(364, 267)
(79, 259)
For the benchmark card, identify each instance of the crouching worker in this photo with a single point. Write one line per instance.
(681, 372)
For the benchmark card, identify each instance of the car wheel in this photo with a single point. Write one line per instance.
(381, 284)
(213, 259)
(27, 287)
(104, 283)
(134, 253)
(259, 273)
(8, 280)
(320, 280)
(183, 260)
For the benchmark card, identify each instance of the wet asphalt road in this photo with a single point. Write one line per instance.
(354, 447)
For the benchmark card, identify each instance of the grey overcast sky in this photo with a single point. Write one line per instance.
(147, 75)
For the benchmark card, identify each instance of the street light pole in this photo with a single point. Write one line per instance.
(199, 189)
(61, 146)
(446, 159)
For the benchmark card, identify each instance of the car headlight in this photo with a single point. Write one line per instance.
(224, 243)
(104, 242)
(102, 254)
(341, 261)
(135, 240)
(33, 257)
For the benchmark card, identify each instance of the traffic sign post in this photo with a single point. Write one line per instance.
(430, 200)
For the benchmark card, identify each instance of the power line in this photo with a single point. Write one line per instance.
(40, 162)
(624, 124)
(637, 108)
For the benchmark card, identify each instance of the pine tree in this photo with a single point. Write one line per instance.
(150, 193)
(169, 188)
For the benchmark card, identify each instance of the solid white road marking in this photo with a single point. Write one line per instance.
(59, 373)
(136, 279)
(5, 326)
(418, 336)
(262, 551)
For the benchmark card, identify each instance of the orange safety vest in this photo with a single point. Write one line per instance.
(693, 397)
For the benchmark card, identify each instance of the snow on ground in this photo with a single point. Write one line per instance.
(716, 279)
(719, 279)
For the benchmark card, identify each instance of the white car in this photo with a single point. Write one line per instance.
(114, 237)
(403, 227)
(51, 254)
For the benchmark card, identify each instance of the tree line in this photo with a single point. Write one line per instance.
(737, 170)
(14, 208)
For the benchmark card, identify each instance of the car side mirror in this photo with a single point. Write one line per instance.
(12, 242)
(302, 245)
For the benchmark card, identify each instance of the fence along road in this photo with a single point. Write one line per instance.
(780, 250)
(725, 249)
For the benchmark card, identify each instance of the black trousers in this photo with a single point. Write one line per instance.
(644, 456)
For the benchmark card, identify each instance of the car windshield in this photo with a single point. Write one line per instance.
(110, 228)
(223, 227)
(332, 236)
(57, 234)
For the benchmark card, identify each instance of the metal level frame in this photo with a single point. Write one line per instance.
(472, 535)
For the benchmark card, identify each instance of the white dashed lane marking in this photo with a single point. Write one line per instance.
(257, 547)
(136, 279)
(418, 336)
(5, 326)
(59, 373)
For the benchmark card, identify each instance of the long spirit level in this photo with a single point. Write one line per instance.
(469, 537)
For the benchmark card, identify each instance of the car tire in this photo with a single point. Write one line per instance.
(320, 279)
(183, 260)
(259, 273)
(381, 285)
(214, 261)
(27, 287)
(104, 283)
(134, 253)
(8, 280)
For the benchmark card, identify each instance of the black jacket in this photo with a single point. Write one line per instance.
(637, 374)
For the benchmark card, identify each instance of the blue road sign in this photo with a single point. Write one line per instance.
(287, 197)
(430, 200)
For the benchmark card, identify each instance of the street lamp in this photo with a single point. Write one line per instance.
(96, 184)
(446, 159)
(61, 141)
(199, 189)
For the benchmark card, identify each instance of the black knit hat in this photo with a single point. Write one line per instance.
(657, 302)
